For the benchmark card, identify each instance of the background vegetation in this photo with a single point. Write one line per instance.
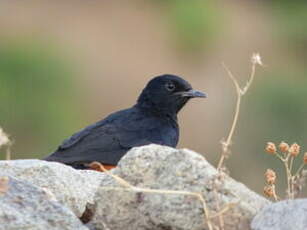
(66, 64)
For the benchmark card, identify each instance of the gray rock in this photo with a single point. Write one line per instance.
(165, 168)
(73, 188)
(25, 206)
(284, 215)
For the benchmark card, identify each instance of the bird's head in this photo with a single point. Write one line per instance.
(167, 94)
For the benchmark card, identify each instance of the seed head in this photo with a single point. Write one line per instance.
(270, 176)
(294, 150)
(284, 147)
(270, 148)
(305, 158)
(256, 59)
(4, 139)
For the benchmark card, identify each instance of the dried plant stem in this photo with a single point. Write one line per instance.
(289, 179)
(274, 193)
(240, 93)
(227, 143)
(288, 164)
(171, 192)
(299, 170)
(288, 168)
(292, 177)
(130, 187)
(220, 217)
(8, 154)
(251, 79)
(291, 163)
(224, 209)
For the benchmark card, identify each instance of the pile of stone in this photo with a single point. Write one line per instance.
(163, 188)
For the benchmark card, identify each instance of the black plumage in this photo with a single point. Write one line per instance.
(153, 119)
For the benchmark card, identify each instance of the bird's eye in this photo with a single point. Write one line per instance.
(170, 86)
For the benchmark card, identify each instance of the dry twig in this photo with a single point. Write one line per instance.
(199, 196)
(256, 60)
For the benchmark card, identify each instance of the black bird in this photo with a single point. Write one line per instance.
(153, 119)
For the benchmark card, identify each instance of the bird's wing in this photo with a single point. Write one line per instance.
(108, 140)
(77, 137)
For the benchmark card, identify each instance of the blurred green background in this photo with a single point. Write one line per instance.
(66, 64)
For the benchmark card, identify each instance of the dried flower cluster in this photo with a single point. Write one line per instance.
(269, 189)
(270, 176)
(284, 147)
(270, 148)
(294, 150)
(295, 179)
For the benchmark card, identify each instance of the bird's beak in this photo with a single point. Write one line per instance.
(193, 93)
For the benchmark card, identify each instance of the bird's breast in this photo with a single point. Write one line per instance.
(169, 134)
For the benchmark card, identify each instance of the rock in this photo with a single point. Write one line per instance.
(284, 215)
(73, 188)
(25, 206)
(164, 168)
(124, 209)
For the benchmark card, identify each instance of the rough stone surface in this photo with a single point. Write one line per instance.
(158, 167)
(25, 206)
(73, 188)
(284, 215)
